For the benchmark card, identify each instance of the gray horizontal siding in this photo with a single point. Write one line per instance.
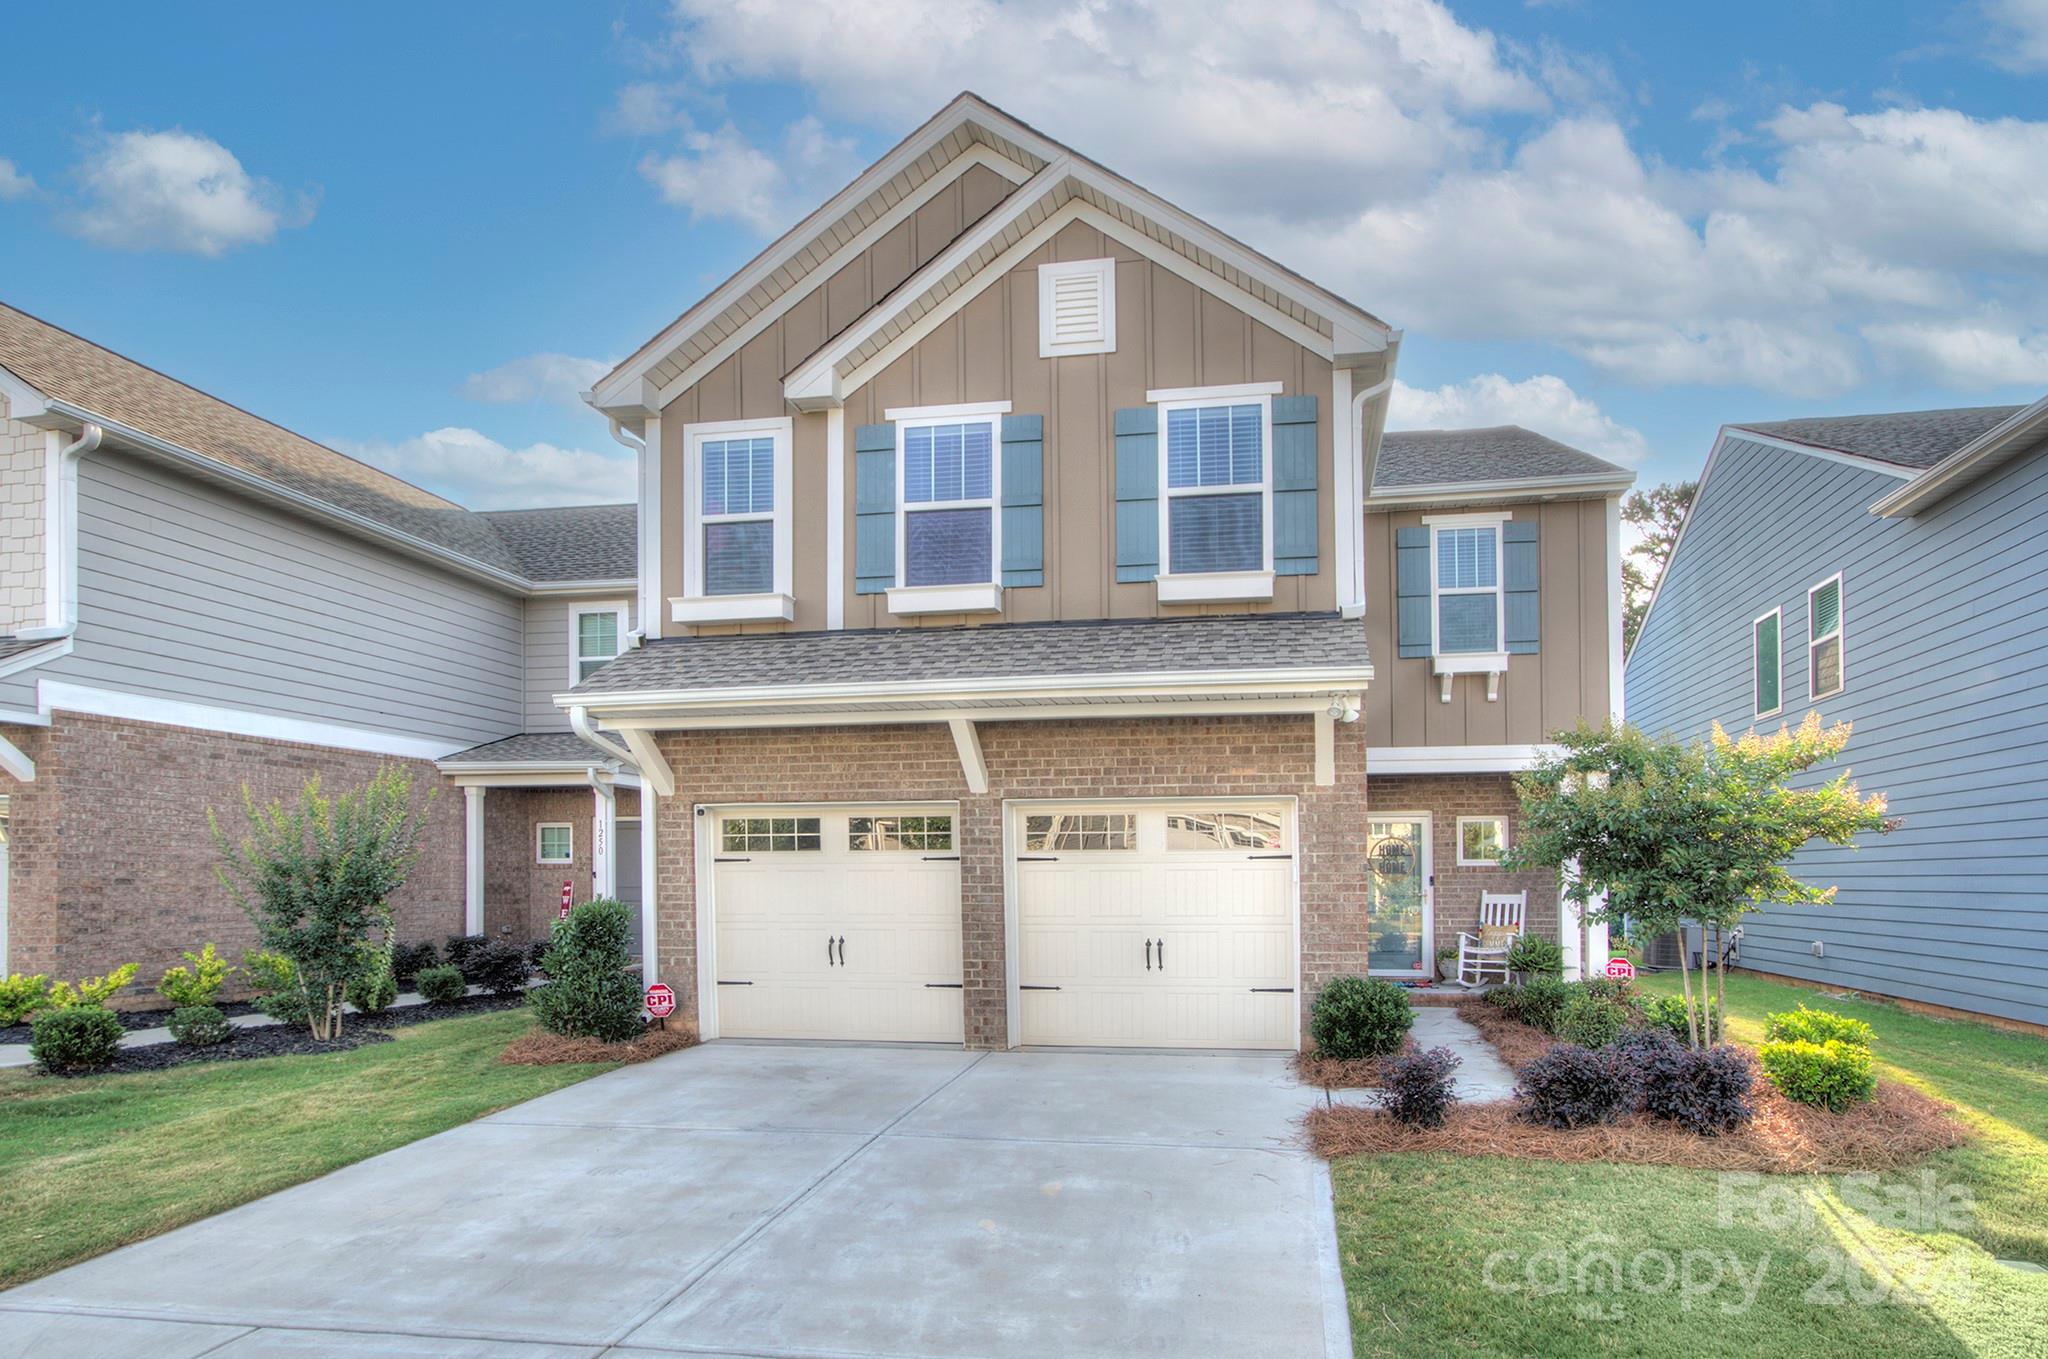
(1946, 631)
(189, 592)
(547, 655)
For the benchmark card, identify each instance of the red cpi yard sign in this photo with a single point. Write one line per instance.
(661, 1002)
(1621, 969)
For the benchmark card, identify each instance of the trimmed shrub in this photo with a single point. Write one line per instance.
(1706, 1093)
(90, 993)
(374, 991)
(197, 985)
(1357, 1017)
(461, 950)
(21, 997)
(1816, 1026)
(1589, 1020)
(1831, 1075)
(199, 1026)
(1620, 990)
(1668, 1013)
(536, 954)
(1418, 1089)
(500, 968)
(1534, 956)
(590, 993)
(276, 983)
(409, 960)
(1540, 1002)
(1569, 1087)
(75, 1038)
(442, 985)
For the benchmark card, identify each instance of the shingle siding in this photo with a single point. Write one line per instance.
(1946, 628)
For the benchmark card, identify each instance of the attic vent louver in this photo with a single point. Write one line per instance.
(1077, 307)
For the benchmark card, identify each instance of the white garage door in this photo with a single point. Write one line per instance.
(1156, 926)
(838, 923)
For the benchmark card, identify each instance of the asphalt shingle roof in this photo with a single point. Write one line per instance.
(1908, 438)
(1264, 642)
(1453, 457)
(531, 747)
(572, 542)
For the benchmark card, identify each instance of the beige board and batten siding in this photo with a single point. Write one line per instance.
(748, 385)
(547, 650)
(1539, 695)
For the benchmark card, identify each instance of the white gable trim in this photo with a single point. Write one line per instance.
(1890, 469)
(1959, 468)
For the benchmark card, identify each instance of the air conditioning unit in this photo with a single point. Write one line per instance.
(1663, 951)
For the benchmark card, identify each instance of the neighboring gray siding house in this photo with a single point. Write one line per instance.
(1891, 566)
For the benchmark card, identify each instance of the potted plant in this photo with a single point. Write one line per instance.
(1446, 962)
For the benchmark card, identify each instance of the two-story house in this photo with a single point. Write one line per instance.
(1882, 570)
(194, 599)
(1042, 643)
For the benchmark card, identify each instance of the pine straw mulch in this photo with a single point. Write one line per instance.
(1337, 1073)
(541, 1048)
(1517, 1043)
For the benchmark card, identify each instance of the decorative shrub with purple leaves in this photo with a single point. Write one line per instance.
(1417, 1088)
(1705, 1093)
(1569, 1087)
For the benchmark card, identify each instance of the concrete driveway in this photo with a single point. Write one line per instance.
(768, 1200)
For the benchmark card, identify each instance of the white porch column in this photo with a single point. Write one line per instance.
(473, 860)
(603, 828)
(1596, 946)
(1571, 928)
(650, 817)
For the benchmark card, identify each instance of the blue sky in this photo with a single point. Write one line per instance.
(412, 231)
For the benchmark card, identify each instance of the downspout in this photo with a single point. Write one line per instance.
(579, 722)
(61, 559)
(642, 568)
(1366, 469)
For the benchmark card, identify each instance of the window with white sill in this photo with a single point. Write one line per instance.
(597, 632)
(1465, 577)
(1218, 496)
(738, 554)
(948, 531)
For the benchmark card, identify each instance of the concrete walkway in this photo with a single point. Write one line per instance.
(825, 1201)
(1483, 1075)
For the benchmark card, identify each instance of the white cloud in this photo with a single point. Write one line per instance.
(1969, 357)
(559, 378)
(646, 107)
(720, 174)
(13, 182)
(476, 470)
(2020, 42)
(177, 191)
(1545, 403)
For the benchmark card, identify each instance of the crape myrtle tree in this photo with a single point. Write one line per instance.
(1672, 832)
(315, 875)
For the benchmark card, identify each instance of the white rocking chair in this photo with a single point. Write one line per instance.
(1478, 963)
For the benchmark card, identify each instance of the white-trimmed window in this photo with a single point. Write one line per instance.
(1216, 489)
(738, 555)
(1076, 308)
(554, 842)
(1767, 680)
(1467, 608)
(1482, 840)
(597, 633)
(1824, 662)
(949, 529)
(1064, 831)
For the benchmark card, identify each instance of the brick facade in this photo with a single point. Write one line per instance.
(111, 860)
(522, 897)
(1446, 797)
(1153, 758)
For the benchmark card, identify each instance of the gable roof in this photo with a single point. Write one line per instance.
(1411, 458)
(571, 542)
(153, 411)
(1048, 174)
(1905, 438)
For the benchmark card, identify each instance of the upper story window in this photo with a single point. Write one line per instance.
(1076, 308)
(597, 632)
(949, 532)
(1465, 584)
(738, 553)
(1216, 501)
(1766, 664)
(1824, 638)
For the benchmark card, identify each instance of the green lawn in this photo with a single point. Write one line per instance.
(1498, 1257)
(94, 1163)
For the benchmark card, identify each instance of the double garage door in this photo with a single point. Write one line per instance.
(1134, 924)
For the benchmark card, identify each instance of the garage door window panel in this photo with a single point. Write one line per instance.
(1225, 831)
(1055, 832)
(770, 834)
(886, 833)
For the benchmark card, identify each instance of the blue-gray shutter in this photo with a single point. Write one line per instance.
(1137, 494)
(1519, 567)
(1411, 590)
(1294, 485)
(1023, 500)
(874, 508)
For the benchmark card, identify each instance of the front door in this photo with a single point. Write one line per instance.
(626, 871)
(1399, 896)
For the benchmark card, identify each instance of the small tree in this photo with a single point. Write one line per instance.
(315, 875)
(1670, 833)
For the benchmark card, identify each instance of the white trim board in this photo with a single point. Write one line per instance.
(1388, 760)
(61, 696)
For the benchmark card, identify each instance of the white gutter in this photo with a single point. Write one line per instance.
(60, 526)
(579, 722)
(1955, 471)
(1520, 488)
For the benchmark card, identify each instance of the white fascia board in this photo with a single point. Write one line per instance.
(60, 696)
(582, 587)
(1222, 705)
(1409, 497)
(883, 689)
(535, 775)
(1986, 451)
(34, 656)
(1386, 760)
(24, 403)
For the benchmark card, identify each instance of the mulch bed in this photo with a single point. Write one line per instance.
(1336, 1073)
(271, 1040)
(541, 1048)
(131, 1020)
(1900, 1127)
(399, 1017)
